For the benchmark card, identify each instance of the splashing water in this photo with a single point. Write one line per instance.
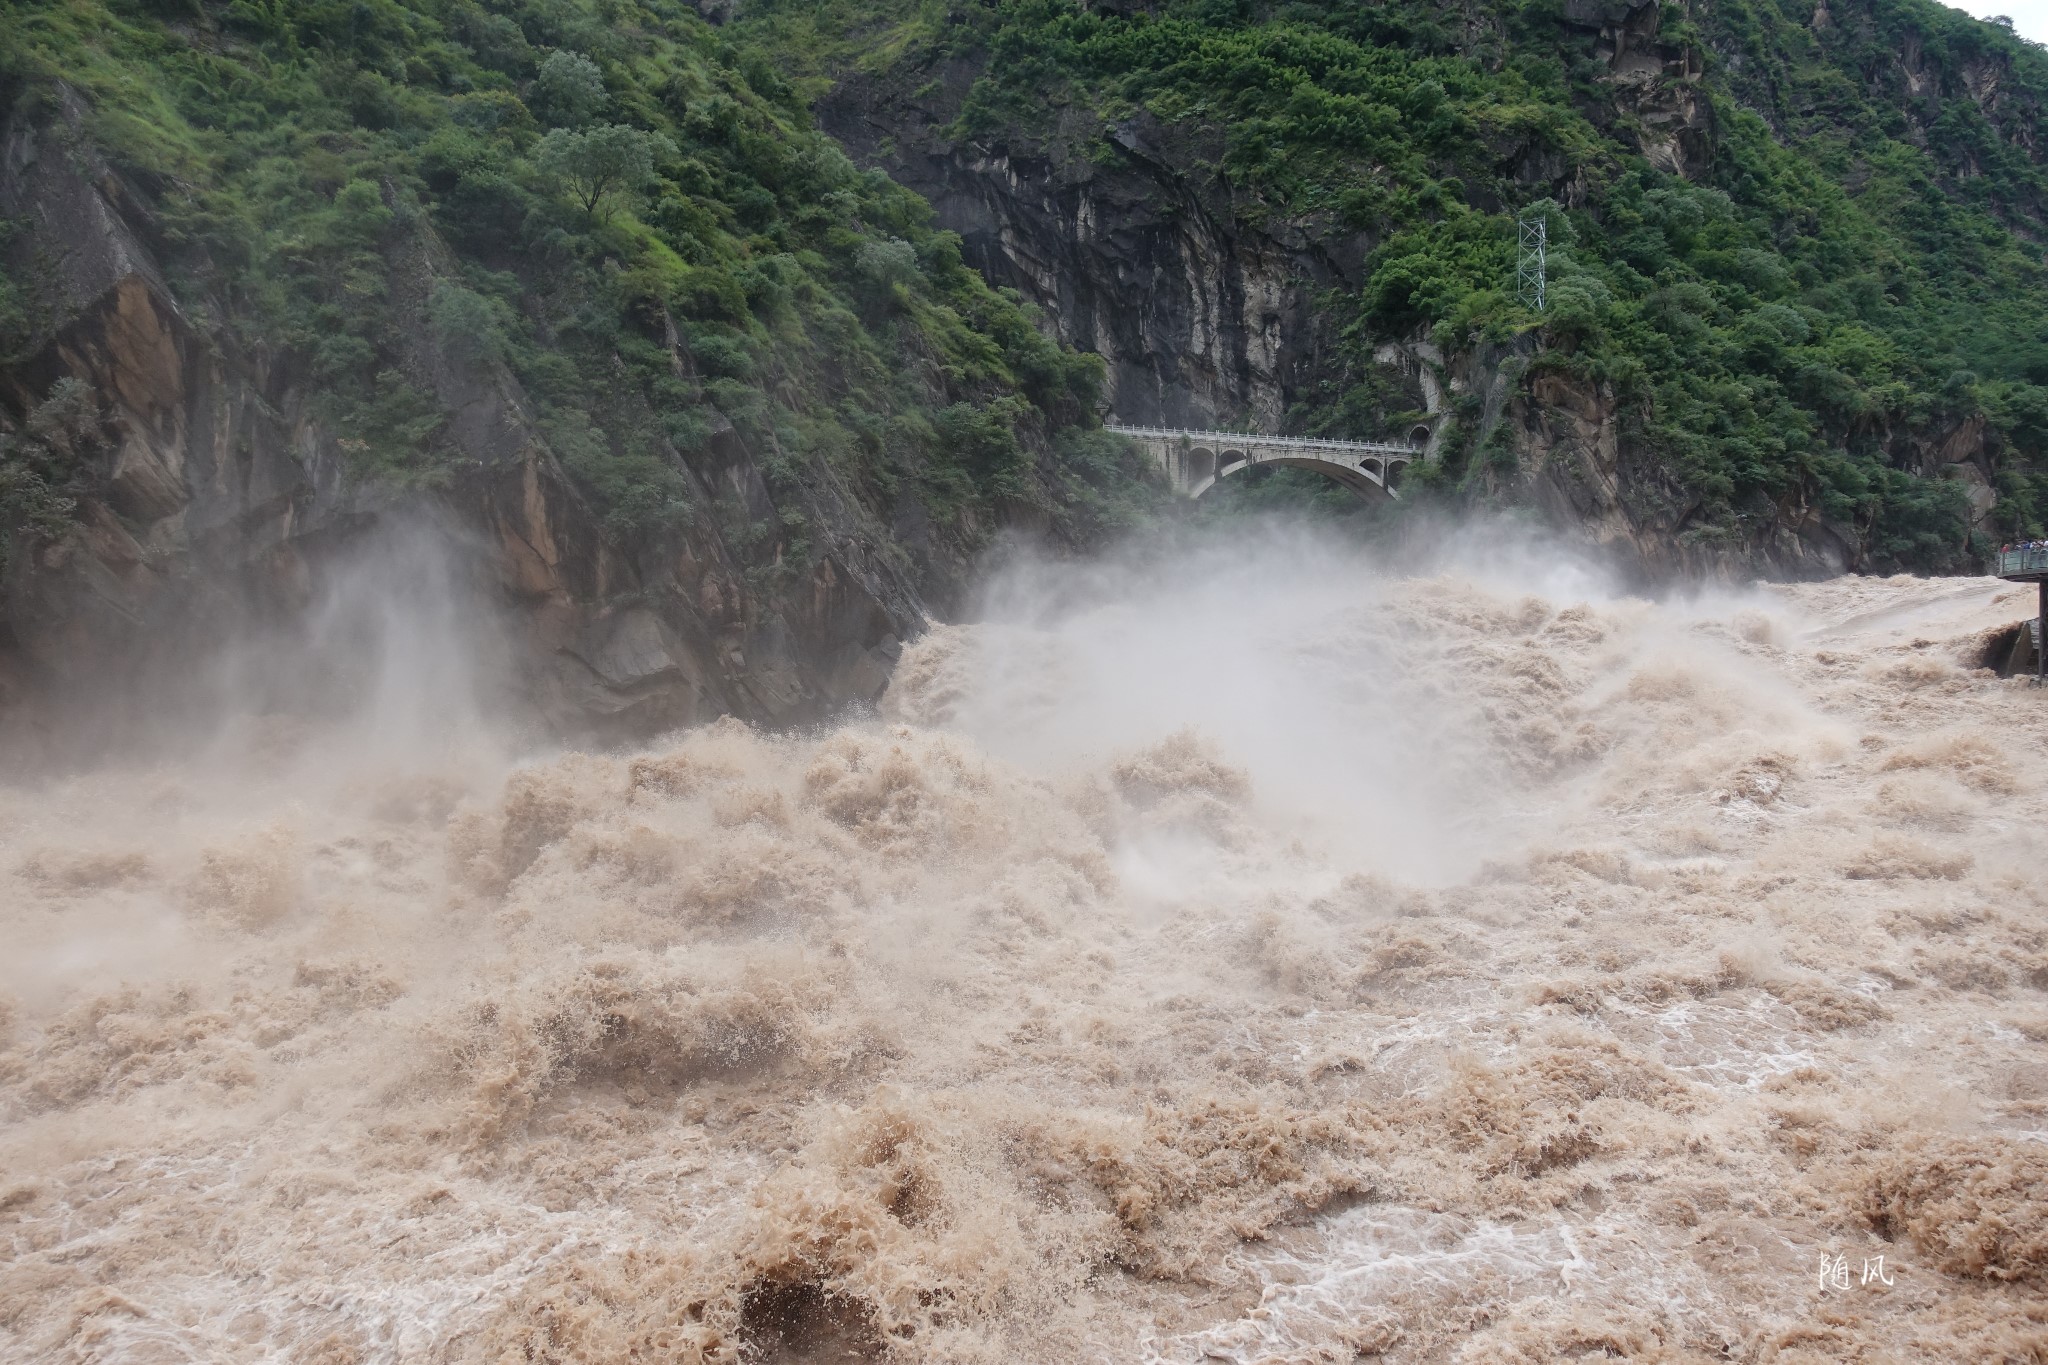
(1244, 953)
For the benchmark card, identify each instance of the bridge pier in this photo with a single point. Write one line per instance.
(1193, 461)
(2028, 563)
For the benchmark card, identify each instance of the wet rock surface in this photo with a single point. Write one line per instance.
(218, 504)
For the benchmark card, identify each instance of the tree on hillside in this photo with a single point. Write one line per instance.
(569, 90)
(600, 166)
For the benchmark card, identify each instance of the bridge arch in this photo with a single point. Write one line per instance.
(1366, 483)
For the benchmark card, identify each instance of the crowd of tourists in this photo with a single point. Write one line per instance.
(2024, 547)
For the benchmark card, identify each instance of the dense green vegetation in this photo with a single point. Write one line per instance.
(1839, 285)
(607, 197)
(45, 458)
(628, 209)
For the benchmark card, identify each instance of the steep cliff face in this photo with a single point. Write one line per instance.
(718, 418)
(1128, 240)
(1227, 281)
(217, 500)
(1929, 72)
(1582, 466)
(1212, 310)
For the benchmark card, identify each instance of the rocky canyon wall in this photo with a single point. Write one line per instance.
(1213, 307)
(218, 502)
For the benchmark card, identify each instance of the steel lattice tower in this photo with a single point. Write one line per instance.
(1529, 261)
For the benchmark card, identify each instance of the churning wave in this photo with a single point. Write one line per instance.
(1247, 954)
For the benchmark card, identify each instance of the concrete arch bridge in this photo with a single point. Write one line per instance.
(1194, 460)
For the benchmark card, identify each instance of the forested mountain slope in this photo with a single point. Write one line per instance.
(694, 325)
(1796, 313)
(574, 279)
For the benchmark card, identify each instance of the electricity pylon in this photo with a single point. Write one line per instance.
(1529, 260)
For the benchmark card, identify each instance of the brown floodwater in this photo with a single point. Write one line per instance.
(1247, 955)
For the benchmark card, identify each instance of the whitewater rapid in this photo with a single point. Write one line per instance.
(1246, 953)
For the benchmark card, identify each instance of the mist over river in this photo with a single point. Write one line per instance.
(1239, 950)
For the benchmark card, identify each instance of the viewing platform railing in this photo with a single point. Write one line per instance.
(2028, 561)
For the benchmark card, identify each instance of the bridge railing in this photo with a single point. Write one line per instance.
(1215, 438)
(2027, 559)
